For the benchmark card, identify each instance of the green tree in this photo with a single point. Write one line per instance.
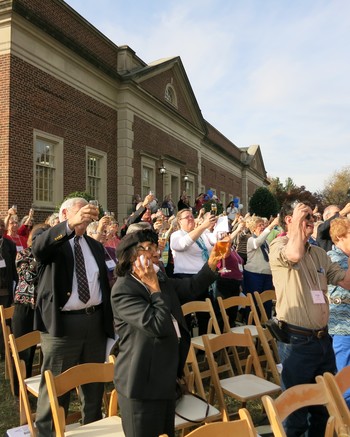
(263, 203)
(290, 191)
(337, 188)
(85, 195)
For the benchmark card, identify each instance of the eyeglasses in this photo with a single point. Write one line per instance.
(310, 216)
(145, 249)
(187, 217)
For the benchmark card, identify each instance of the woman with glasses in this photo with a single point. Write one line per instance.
(191, 246)
(154, 339)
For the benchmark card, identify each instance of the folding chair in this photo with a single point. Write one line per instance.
(266, 344)
(73, 378)
(294, 398)
(189, 406)
(243, 302)
(240, 387)
(6, 315)
(240, 427)
(199, 306)
(260, 299)
(206, 306)
(26, 385)
(337, 385)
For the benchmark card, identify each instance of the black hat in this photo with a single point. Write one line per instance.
(134, 238)
(126, 242)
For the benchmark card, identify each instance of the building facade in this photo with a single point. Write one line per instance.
(79, 113)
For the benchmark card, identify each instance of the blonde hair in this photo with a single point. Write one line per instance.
(253, 222)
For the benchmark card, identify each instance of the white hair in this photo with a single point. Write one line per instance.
(69, 203)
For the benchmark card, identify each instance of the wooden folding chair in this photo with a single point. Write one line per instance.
(240, 427)
(236, 301)
(243, 302)
(198, 306)
(26, 385)
(6, 315)
(240, 387)
(194, 307)
(190, 407)
(73, 378)
(294, 398)
(266, 345)
(337, 385)
(260, 299)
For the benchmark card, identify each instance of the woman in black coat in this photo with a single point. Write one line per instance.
(154, 339)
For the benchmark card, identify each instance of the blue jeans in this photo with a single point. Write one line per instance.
(341, 346)
(258, 282)
(303, 359)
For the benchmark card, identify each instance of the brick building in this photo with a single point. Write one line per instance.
(78, 113)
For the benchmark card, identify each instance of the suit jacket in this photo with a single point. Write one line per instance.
(8, 252)
(55, 255)
(150, 354)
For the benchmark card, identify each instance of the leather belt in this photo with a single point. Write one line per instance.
(88, 310)
(292, 329)
(339, 300)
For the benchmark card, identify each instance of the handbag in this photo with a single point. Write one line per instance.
(181, 391)
(276, 329)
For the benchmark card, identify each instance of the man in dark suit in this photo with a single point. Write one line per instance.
(73, 305)
(8, 274)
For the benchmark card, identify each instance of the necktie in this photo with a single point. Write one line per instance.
(83, 286)
(265, 251)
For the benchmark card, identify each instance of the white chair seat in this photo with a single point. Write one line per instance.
(263, 430)
(33, 384)
(110, 426)
(240, 330)
(249, 386)
(193, 408)
(198, 341)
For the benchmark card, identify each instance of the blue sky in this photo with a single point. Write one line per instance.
(269, 72)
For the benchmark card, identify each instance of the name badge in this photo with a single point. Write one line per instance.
(317, 296)
(110, 264)
(240, 268)
(2, 263)
(19, 248)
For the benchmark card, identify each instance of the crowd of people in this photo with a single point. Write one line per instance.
(128, 283)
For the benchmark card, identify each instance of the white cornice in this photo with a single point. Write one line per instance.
(5, 33)
(39, 49)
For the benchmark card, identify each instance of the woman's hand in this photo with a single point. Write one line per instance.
(216, 256)
(144, 271)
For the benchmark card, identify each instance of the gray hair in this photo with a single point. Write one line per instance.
(69, 203)
(92, 228)
(134, 227)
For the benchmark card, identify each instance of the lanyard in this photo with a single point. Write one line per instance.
(308, 274)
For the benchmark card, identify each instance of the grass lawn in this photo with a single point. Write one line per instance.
(9, 406)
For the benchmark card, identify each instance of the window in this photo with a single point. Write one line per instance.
(170, 95)
(48, 169)
(148, 167)
(147, 178)
(96, 175)
(223, 198)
